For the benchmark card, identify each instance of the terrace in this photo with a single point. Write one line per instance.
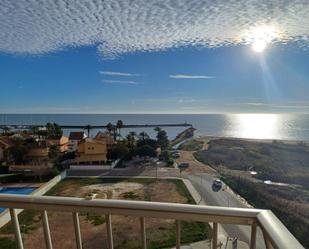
(275, 234)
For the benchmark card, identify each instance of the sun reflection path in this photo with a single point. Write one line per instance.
(258, 126)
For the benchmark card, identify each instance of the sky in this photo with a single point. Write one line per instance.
(154, 56)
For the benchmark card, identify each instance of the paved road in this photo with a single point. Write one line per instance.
(203, 184)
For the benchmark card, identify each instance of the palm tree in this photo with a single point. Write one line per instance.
(131, 138)
(119, 125)
(34, 130)
(6, 130)
(115, 133)
(143, 135)
(157, 129)
(109, 128)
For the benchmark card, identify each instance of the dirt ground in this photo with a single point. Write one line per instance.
(126, 230)
(195, 166)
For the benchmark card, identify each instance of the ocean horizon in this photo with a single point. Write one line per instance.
(246, 125)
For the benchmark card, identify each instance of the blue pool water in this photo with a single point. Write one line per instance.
(16, 191)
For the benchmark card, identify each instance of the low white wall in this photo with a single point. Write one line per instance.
(5, 215)
(94, 167)
(90, 167)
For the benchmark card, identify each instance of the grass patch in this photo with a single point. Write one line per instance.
(95, 219)
(194, 231)
(141, 180)
(7, 243)
(190, 232)
(192, 145)
(131, 196)
(182, 190)
(28, 220)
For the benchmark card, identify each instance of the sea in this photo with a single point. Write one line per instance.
(251, 126)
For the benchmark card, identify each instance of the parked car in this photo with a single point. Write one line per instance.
(183, 166)
(217, 182)
(176, 155)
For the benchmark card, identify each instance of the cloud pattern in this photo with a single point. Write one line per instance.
(186, 76)
(126, 26)
(111, 73)
(131, 82)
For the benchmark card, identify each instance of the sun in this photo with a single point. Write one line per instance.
(260, 37)
(259, 46)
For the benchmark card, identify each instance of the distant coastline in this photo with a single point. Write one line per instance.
(287, 127)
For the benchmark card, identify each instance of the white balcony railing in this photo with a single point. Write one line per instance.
(276, 235)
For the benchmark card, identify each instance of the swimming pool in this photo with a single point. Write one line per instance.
(16, 191)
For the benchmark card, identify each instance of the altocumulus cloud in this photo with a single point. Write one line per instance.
(110, 73)
(185, 76)
(117, 27)
(130, 82)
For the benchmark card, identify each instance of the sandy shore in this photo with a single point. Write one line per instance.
(206, 138)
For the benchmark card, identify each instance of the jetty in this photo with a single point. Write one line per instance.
(90, 127)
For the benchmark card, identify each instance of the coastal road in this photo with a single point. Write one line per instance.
(226, 198)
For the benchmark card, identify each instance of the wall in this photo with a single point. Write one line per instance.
(5, 215)
(90, 167)
(94, 167)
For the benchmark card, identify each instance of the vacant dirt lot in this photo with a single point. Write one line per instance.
(126, 230)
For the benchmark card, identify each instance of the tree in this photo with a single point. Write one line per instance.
(18, 150)
(119, 151)
(143, 135)
(157, 129)
(162, 139)
(131, 139)
(119, 125)
(34, 130)
(53, 152)
(6, 130)
(148, 141)
(42, 134)
(109, 128)
(53, 130)
(146, 150)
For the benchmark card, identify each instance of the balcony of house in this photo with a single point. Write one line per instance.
(274, 234)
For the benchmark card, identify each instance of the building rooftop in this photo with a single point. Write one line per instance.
(77, 135)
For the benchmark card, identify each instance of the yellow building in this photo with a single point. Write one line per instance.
(105, 137)
(91, 151)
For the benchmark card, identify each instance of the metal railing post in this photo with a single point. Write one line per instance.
(215, 236)
(178, 234)
(46, 230)
(267, 241)
(109, 230)
(253, 236)
(15, 222)
(143, 233)
(78, 236)
(276, 235)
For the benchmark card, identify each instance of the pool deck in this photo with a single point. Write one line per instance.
(22, 185)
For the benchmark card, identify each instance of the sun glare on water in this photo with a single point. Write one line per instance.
(260, 37)
(258, 126)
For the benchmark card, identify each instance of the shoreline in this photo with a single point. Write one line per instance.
(258, 140)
